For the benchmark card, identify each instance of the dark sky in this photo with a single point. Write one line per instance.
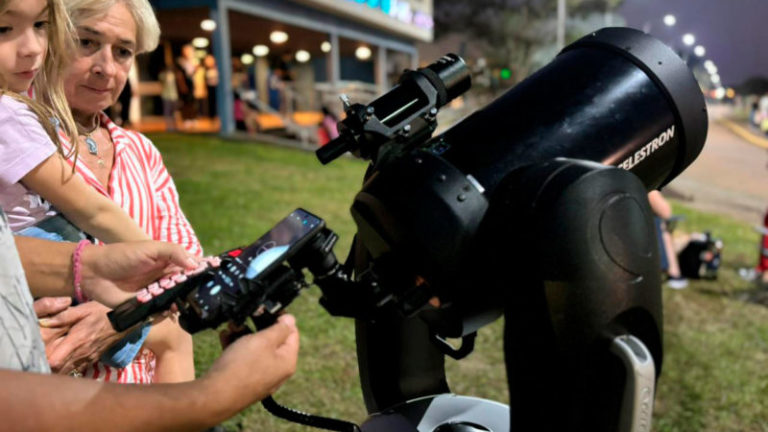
(734, 32)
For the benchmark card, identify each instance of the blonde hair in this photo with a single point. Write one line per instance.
(147, 27)
(50, 102)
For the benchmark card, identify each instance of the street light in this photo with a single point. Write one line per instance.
(689, 39)
(699, 51)
(720, 93)
(669, 20)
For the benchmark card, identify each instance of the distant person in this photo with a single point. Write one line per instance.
(328, 127)
(187, 65)
(669, 263)
(200, 91)
(754, 115)
(211, 82)
(763, 114)
(170, 96)
(276, 88)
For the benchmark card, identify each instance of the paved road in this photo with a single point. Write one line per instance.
(730, 176)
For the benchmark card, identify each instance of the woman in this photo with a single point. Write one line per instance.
(120, 164)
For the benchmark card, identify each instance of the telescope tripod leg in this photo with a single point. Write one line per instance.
(589, 276)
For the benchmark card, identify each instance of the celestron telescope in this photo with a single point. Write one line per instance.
(533, 208)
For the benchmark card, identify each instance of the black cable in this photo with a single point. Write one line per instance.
(295, 416)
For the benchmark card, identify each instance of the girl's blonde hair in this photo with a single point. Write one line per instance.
(50, 101)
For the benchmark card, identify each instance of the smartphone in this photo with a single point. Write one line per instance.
(256, 260)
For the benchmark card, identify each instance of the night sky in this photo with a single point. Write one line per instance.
(734, 32)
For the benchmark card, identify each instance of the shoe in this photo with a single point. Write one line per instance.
(677, 283)
(748, 274)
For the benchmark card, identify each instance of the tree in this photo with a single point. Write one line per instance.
(518, 33)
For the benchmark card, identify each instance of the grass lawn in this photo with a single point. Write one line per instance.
(715, 374)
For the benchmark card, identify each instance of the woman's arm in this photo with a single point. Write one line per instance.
(92, 212)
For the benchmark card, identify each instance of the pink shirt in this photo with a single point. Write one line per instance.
(24, 145)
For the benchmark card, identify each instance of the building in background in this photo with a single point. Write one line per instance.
(279, 62)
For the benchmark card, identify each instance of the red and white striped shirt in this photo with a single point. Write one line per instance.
(140, 184)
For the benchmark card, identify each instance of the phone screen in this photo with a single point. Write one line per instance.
(273, 247)
(257, 259)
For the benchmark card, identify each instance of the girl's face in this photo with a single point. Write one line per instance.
(23, 42)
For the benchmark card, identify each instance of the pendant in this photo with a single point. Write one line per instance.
(101, 163)
(92, 147)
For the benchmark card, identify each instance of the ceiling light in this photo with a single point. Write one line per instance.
(208, 25)
(302, 56)
(246, 59)
(363, 53)
(200, 42)
(260, 50)
(278, 37)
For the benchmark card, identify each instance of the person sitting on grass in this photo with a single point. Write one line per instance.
(669, 263)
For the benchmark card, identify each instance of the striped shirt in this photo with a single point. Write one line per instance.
(141, 185)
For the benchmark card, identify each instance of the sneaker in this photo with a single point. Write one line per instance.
(748, 274)
(677, 283)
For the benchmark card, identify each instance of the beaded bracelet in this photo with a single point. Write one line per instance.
(77, 270)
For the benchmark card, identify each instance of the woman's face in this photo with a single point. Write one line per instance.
(105, 55)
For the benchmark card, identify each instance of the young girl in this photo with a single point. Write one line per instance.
(35, 180)
(35, 176)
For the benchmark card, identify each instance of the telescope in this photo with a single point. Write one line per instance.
(533, 208)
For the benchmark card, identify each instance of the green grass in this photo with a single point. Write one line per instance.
(716, 341)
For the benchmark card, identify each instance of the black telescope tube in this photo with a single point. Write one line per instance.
(617, 96)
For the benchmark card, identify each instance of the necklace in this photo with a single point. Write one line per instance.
(93, 147)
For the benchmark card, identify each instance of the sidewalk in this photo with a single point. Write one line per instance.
(745, 133)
